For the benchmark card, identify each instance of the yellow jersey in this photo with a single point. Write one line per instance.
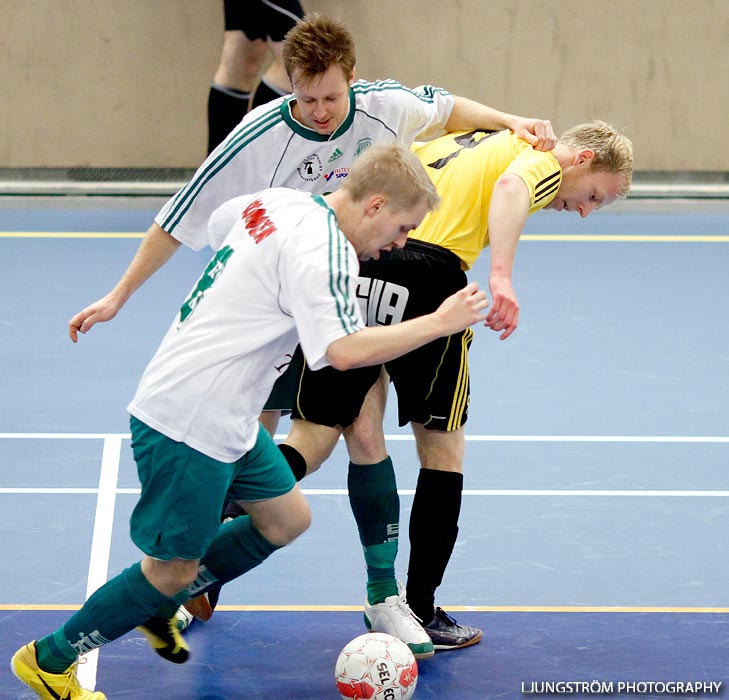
(464, 167)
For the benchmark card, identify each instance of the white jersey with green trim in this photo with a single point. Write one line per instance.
(283, 274)
(269, 148)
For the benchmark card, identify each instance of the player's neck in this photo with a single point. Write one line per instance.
(348, 213)
(564, 155)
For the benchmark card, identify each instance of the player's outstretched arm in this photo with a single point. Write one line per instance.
(375, 345)
(508, 213)
(468, 114)
(156, 248)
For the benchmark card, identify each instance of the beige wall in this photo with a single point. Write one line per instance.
(104, 83)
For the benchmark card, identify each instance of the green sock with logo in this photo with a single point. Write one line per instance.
(120, 605)
(376, 508)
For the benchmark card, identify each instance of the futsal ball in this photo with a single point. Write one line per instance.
(376, 666)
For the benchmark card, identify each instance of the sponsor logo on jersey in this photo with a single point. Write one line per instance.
(362, 145)
(337, 154)
(336, 174)
(381, 303)
(311, 168)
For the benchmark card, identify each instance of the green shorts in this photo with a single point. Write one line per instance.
(283, 393)
(183, 490)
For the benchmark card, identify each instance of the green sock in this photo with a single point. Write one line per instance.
(120, 605)
(376, 508)
(238, 547)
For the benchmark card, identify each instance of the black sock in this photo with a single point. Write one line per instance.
(296, 460)
(265, 92)
(226, 107)
(433, 533)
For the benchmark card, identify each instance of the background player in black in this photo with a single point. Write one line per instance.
(254, 32)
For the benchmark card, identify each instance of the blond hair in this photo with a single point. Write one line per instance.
(613, 150)
(394, 171)
(314, 44)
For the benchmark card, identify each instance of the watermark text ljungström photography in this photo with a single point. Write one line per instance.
(595, 687)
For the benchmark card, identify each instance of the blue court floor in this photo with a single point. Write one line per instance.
(592, 544)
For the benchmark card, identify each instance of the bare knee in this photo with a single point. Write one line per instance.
(312, 441)
(365, 441)
(284, 532)
(440, 450)
(172, 576)
(240, 61)
(281, 520)
(365, 437)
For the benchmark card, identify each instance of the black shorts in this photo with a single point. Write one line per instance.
(432, 382)
(262, 19)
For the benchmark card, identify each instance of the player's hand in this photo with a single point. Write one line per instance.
(537, 132)
(463, 309)
(102, 310)
(504, 314)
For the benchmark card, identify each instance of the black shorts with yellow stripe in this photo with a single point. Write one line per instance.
(432, 382)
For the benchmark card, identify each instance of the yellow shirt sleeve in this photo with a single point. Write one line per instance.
(464, 167)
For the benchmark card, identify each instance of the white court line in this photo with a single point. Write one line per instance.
(118, 437)
(579, 438)
(64, 436)
(547, 492)
(48, 489)
(611, 493)
(395, 437)
(101, 541)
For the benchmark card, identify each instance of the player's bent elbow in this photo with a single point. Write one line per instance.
(342, 362)
(340, 354)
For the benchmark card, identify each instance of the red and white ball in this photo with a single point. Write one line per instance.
(376, 666)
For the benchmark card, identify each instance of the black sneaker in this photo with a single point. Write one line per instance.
(446, 633)
(165, 638)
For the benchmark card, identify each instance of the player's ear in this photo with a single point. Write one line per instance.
(351, 76)
(374, 204)
(584, 155)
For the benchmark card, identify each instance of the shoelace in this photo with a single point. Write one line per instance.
(72, 682)
(443, 615)
(412, 618)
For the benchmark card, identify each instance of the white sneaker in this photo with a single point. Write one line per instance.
(395, 618)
